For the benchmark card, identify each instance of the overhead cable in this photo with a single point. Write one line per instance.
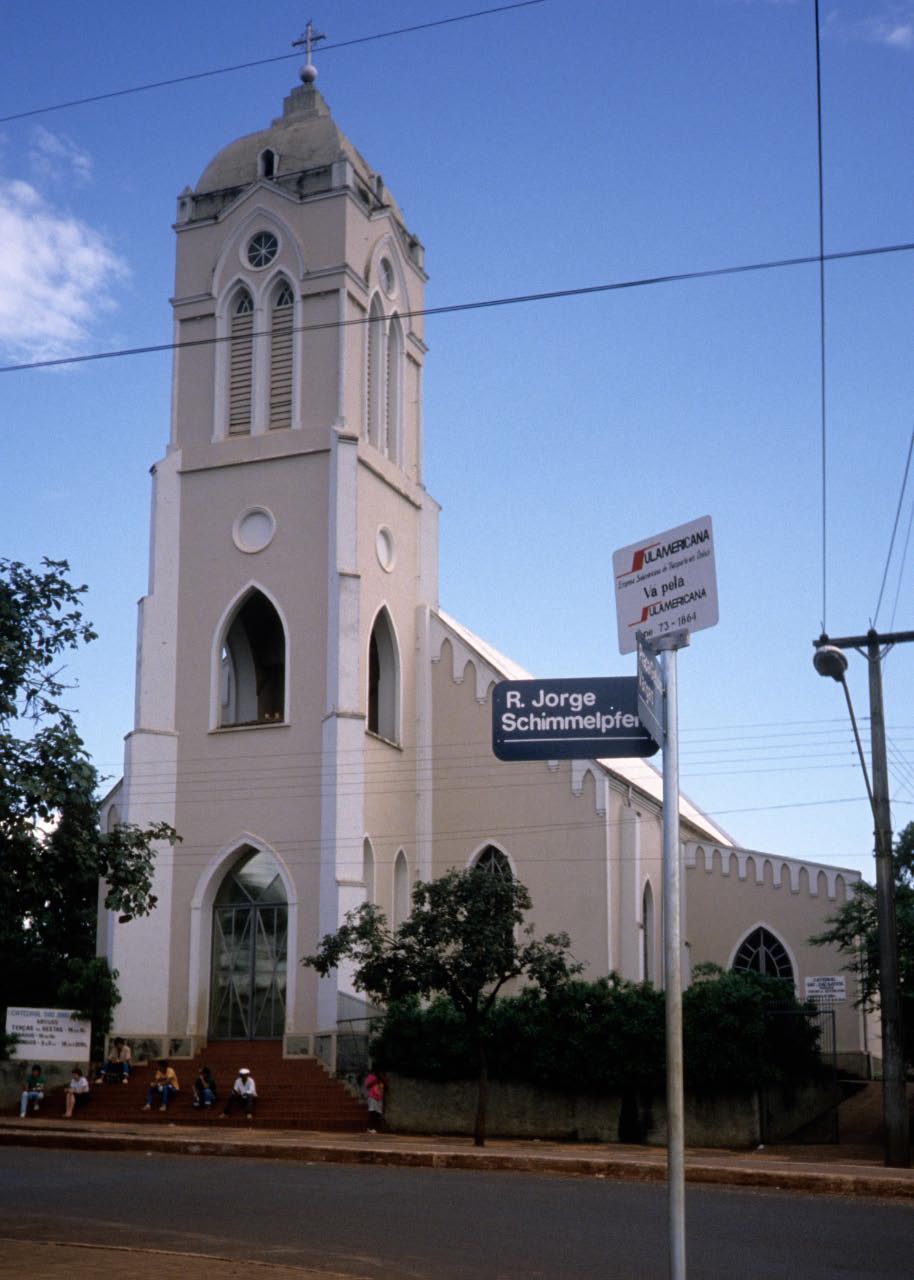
(551, 295)
(263, 62)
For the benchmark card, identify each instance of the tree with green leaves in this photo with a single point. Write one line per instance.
(52, 853)
(854, 930)
(465, 939)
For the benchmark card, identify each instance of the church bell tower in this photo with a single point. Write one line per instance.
(279, 717)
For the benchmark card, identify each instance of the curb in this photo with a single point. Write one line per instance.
(815, 1181)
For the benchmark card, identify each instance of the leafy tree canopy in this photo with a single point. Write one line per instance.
(740, 1029)
(465, 939)
(52, 853)
(854, 930)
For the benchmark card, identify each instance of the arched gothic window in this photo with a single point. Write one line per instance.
(281, 341)
(647, 933)
(241, 364)
(383, 680)
(401, 889)
(250, 946)
(762, 952)
(266, 164)
(253, 657)
(368, 869)
(394, 395)
(374, 385)
(493, 862)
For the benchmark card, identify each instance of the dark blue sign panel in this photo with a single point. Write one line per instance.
(651, 706)
(568, 719)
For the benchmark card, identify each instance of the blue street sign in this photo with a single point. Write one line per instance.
(581, 719)
(651, 707)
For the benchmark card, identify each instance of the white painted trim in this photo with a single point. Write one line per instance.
(775, 933)
(398, 672)
(495, 844)
(230, 260)
(219, 635)
(201, 929)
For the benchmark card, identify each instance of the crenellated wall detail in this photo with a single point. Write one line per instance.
(809, 878)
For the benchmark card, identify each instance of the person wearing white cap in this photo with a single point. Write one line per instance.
(244, 1091)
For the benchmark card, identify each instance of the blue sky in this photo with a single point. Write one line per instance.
(561, 145)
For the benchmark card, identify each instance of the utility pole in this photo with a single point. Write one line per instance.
(894, 1098)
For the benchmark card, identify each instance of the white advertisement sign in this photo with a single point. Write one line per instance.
(48, 1035)
(666, 583)
(829, 987)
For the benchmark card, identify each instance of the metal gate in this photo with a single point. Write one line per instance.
(803, 1113)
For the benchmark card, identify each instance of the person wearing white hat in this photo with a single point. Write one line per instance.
(244, 1091)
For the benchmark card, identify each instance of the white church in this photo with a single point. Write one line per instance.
(307, 718)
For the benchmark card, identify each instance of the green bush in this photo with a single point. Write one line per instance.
(746, 1029)
(739, 1029)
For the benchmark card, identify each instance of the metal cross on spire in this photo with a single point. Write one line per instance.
(308, 73)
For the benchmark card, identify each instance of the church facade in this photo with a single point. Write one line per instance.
(307, 718)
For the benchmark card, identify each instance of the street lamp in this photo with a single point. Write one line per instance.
(830, 660)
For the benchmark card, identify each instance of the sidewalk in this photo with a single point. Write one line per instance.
(825, 1170)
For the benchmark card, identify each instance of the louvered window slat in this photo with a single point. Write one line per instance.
(241, 364)
(281, 351)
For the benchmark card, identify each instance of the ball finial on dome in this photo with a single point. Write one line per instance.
(308, 73)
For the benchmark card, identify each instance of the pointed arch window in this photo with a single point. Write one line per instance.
(762, 952)
(241, 364)
(647, 934)
(250, 952)
(253, 665)
(493, 862)
(401, 889)
(374, 389)
(281, 344)
(383, 680)
(368, 869)
(394, 397)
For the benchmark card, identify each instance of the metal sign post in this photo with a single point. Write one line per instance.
(666, 587)
(672, 950)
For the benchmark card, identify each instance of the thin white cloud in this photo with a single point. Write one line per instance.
(892, 25)
(54, 155)
(57, 275)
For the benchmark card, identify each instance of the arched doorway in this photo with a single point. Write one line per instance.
(250, 952)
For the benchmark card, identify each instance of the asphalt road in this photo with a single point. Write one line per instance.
(447, 1225)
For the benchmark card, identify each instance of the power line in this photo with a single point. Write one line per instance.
(821, 260)
(264, 62)
(453, 308)
(888, 559)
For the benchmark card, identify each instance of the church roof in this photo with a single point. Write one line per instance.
(638, 772)
(304, 138)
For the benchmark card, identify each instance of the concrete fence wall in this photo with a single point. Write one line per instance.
(523, 1111)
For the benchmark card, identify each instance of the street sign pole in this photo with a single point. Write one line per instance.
(672, 946)
(666, 588)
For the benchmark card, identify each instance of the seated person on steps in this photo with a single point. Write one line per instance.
(204, 1088)
(77, 1092)
(164, 1086)
(117, 1064)
(244, 1091)
(32, 1090)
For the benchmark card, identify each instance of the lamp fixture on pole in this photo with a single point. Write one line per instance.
(830, 660)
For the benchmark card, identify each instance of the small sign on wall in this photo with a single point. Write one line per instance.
(828, 988)
(48, 1035)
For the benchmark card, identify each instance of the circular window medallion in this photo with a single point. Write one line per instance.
(253, 530)
(388, 279)
(262, 249)
(384, 545)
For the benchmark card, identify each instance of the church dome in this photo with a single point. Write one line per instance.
(303, 139)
